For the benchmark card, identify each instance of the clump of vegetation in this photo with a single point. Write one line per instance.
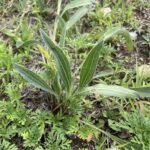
(136, 123)
(89, 91)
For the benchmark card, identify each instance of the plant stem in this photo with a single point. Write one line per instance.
(120, 141)
(57, 20)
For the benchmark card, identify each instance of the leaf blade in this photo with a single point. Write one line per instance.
(62, 62)
(111, 90)
(71, 22)
(118, 31)
(75, 4)
(32, 78)
(20, 44)
(89, 65)
(142, 91)
(76, 17)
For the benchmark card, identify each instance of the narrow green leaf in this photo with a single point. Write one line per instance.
(76, 17)
(63, 37)
(62, 26)
(56, 85)
(111, 90)
(103, 74)
(89, 66)
(32, 78)
(76, 3)
(62, 62)
(118, 140)
(142, 91)
(72, 21)
(26, 43)
(118, 31)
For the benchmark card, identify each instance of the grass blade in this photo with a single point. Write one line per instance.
(76, 17)
(63, 37)
(104, 74)
(76, 3)
(72, 21)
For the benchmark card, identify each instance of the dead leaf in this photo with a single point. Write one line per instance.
(90, 137)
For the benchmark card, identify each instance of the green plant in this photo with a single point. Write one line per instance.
(64, 87)
(26, 36)
(5, 145)
(57, 141)
(73, 108)
(15, 121)
(5, 60)
(23, 35)
(68, 93)
(22, 5)
(64, 22)
(40, 6)
(110, 13)
(147, 37)
(137, 124)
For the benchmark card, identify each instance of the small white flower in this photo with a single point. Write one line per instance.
(133, 35)
(106, 10)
